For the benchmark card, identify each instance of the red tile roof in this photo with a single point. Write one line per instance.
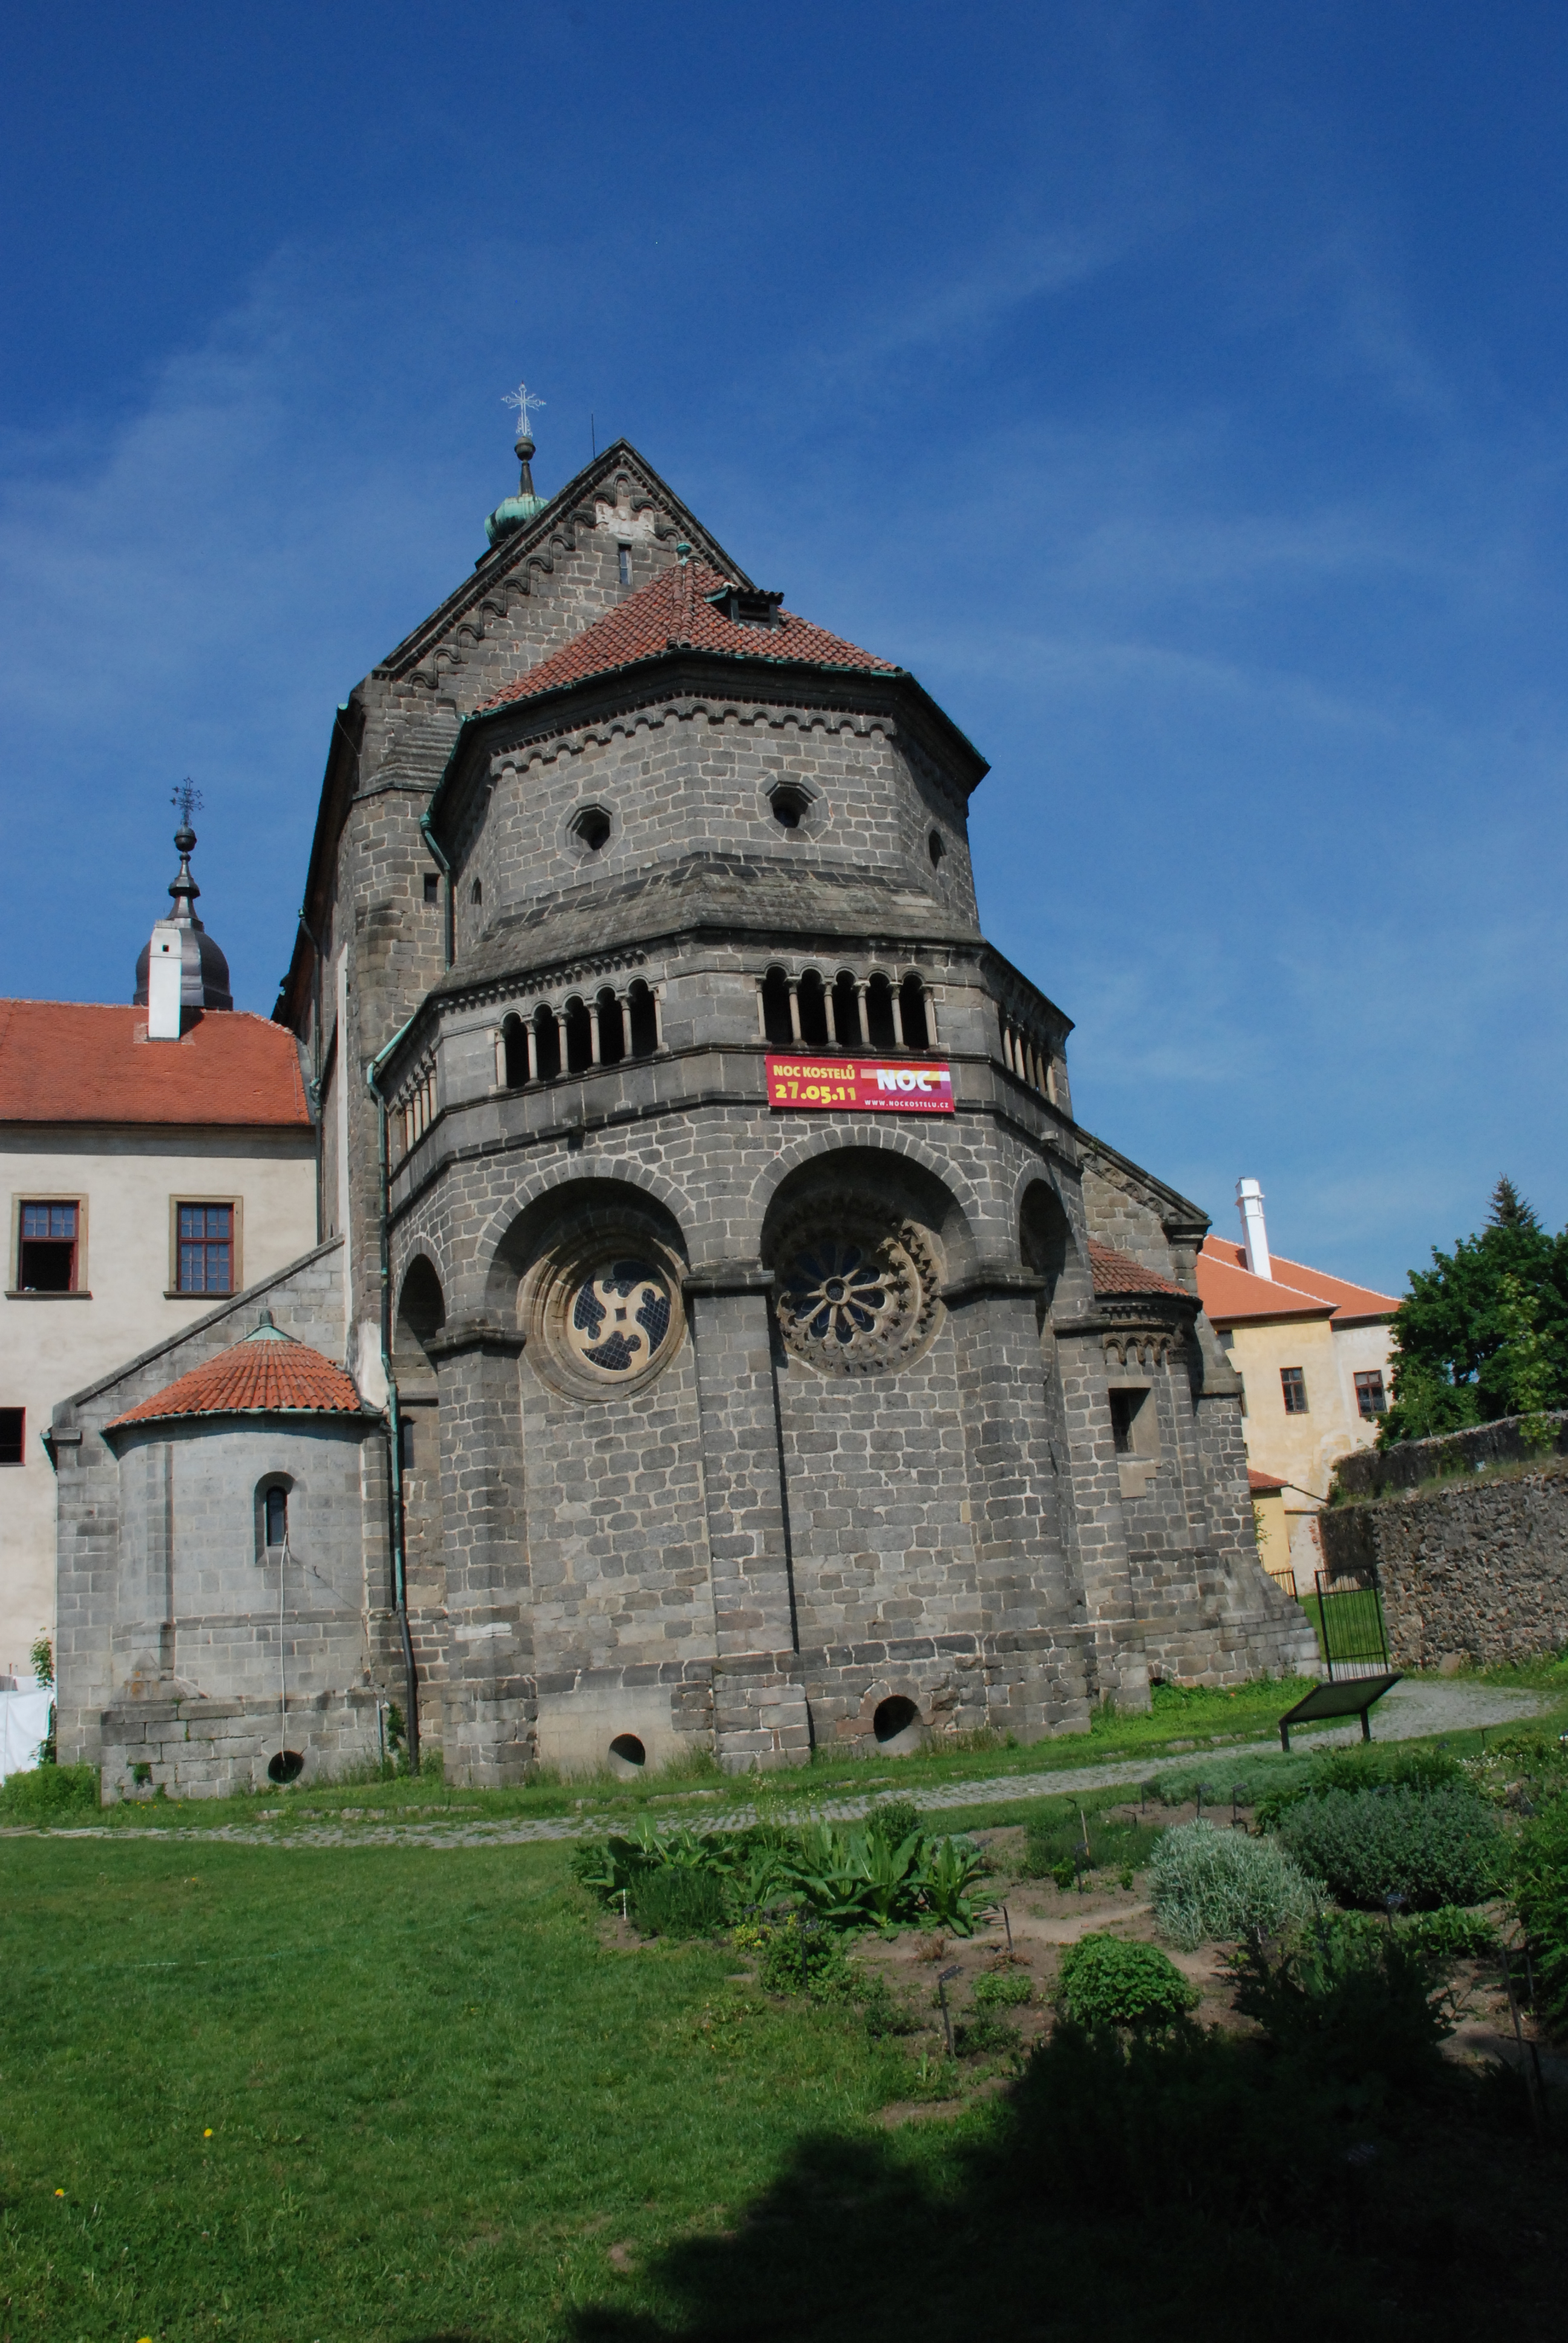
(672, 613)
(1263, 1485)
(1229, 1291)
(1118, 1273)
(268, 1373)
(78, 1061)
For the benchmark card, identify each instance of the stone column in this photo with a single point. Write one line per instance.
(793, 984)
(1098, 1533)
(595, 1044)
(624, 1001)
(532, 1033)
(760, 1711)
(861, 991)
(896, 1003)
(1034, 1639)
(491, 1704)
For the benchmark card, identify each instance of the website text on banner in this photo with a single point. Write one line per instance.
(892, 1088)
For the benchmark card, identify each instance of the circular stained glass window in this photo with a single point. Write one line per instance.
(617, 1318)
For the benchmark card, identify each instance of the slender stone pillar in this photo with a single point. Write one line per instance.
(1099, 1531)
(491, 1698)
(760, 1718)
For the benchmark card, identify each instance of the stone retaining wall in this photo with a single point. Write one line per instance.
(1473, 1569)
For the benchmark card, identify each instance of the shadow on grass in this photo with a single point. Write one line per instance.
(1205, 2187)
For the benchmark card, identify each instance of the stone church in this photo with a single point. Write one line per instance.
(722, 1334)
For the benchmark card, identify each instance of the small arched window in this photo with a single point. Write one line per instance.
(516, 1053)
(912, 1006)
(776, 1019)
(580, 1038)
(476, 892)
(644, 1021)
(813, 1009)
(272, 1516)
(879, 1013)
(547, 1041)
(847, 1010)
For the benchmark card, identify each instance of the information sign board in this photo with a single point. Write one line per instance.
(883, 1086)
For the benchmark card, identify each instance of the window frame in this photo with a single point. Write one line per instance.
(173, 1291)
(1289, 1390)
(1368, 1376)
(78, 1290)
(8, 1464)
(290, 1487)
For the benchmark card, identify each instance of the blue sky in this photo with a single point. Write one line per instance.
(1178, 389)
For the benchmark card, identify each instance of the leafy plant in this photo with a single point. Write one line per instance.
(1355, 2002)
(1440, 1846)
(1002, 1989)
(894, 1820)
(984, 2036)
(1223, 1884)
(677, 1900)
(1105, 1981)
(1053, 1841)
(1541, 1893)
(1367, 1766)
(49, 1793)
(41, 1658)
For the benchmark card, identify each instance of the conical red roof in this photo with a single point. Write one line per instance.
(671, 613)
(268, 1373)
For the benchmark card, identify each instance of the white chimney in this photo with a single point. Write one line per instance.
(1254, 1235)
(166, 975)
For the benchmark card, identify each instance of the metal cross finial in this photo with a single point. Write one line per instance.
(522, 398)
(186, 800)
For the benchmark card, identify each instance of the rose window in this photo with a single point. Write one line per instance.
(617, 1318)
(858, 1297)
(835, 1292)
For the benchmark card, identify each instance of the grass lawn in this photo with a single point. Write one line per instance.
(310, 2093)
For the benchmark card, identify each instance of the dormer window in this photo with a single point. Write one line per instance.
(747, 605)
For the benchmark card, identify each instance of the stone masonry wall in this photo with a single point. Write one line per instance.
(1475, 1569)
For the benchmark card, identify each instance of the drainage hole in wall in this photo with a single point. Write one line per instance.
(894, 1718)
(287, 1766)
(627, 1754)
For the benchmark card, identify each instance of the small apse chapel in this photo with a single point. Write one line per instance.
(721, 1334)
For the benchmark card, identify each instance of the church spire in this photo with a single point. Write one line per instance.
(193, 971)
(513, 511)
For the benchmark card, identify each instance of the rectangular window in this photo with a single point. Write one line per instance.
(46, 1256)
(432, 887)
(1370, 1397)
(1293, 1384)
(1125, 1408)
(205, 1261)
(624, 553)
(13, 1436)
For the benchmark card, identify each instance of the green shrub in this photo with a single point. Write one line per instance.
(1452, 1934)
(49, 1793)
(1223, 1884)
(1541, 1893)
(677, 1901)
(984, 2037)
(1053, 1840)
(893, 1820)
(1370, 1765)
(1430, 1846)
(795, 1954)
(1354, 2002)
(1001, 1990)
(1107, 1982)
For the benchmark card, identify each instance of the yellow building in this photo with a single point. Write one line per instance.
(1312, 1352)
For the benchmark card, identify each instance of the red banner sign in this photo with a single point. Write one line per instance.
(888, 1086)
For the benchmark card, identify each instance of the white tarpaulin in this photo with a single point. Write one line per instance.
(23, 1723)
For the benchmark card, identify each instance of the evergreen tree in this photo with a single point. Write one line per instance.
(1509, 1209)
(1484, 1332)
